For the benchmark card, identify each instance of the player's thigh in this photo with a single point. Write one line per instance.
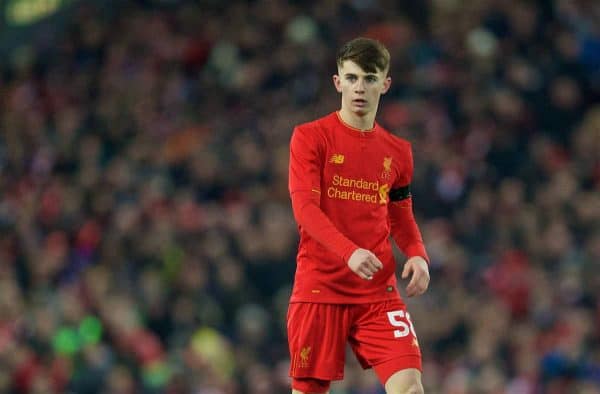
(407, 381)
(317, 335)
(316, 389)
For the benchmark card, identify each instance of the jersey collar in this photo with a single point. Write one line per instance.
(354, 131)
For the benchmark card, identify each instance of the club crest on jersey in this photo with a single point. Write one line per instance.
(386, 174)
(337, 158)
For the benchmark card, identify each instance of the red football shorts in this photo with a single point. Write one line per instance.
(381, 335)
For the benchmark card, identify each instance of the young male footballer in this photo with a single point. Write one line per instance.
(349, 182)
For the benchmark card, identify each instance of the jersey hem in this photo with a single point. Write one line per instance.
(350, 301)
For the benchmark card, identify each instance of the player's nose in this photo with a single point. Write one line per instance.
(359, 87)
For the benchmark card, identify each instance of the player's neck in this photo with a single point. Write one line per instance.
(363, 123)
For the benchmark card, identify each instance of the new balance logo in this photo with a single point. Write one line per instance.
(337, 158)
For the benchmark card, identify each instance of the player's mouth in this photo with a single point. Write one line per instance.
(359, 102)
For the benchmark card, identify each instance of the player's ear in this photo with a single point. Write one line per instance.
(337, 82)
(386, 85)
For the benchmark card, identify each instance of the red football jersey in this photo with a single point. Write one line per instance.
(340, 181)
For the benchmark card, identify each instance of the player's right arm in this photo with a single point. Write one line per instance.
(307, 158)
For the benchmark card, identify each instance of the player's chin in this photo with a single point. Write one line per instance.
(361, 111)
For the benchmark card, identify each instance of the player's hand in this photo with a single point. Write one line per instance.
(417, 266)
(364, 263)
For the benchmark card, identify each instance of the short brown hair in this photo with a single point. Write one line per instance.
(371, 55)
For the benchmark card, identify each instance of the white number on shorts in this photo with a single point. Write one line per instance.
(395, 318)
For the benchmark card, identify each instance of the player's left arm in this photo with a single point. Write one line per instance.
(406, 233)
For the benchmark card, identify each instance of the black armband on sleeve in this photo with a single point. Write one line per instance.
(402, 193)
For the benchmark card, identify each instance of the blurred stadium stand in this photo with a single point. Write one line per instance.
(146, 239)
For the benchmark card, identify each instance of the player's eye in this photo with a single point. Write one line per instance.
(371, 78)
(351, 78)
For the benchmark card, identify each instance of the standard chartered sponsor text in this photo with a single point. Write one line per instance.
(339, 183)
(339, 180)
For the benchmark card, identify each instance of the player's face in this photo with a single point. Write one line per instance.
(360, 90)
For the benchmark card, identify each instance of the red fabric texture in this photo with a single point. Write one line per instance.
(318, 334)
(339, 182)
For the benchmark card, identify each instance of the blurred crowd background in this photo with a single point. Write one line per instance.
(147, 243)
